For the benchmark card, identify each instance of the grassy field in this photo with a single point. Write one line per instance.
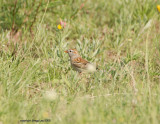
(38, 83)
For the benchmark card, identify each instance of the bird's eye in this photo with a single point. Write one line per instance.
(70, 51)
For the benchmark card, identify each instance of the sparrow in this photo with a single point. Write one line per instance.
(78, 63)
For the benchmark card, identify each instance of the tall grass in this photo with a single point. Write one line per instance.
(38, 83)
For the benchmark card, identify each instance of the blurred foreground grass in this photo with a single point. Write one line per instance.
(37, 82)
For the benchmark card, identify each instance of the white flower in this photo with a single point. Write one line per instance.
(50, 95)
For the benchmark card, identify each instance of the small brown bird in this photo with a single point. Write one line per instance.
(78, 63)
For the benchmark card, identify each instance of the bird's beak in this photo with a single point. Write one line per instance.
(66, 51)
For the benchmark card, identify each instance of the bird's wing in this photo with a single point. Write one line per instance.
(79, 63)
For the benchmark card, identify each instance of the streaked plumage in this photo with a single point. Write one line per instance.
(78, 63)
